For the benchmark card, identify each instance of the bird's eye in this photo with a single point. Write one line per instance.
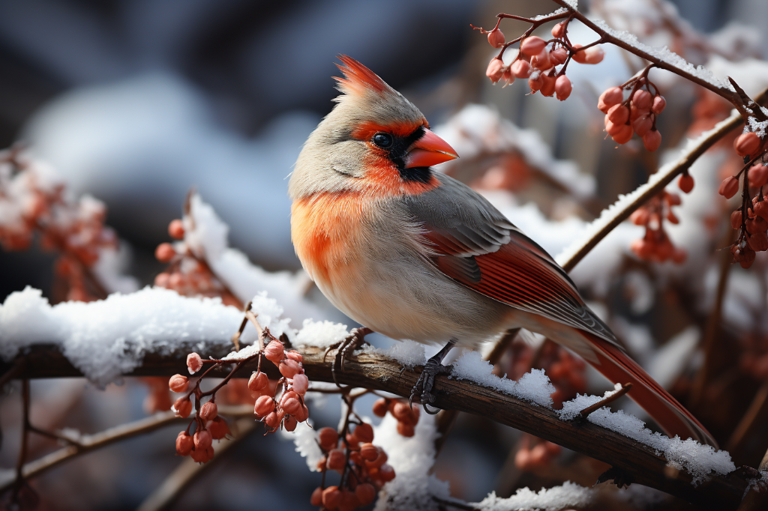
(383, 140)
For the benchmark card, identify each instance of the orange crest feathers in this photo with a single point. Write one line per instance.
(358, 78)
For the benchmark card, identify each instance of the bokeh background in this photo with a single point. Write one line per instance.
(137, 101)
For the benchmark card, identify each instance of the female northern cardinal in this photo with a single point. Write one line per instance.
(414, 254)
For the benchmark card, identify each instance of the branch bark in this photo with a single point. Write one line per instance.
(370, 370)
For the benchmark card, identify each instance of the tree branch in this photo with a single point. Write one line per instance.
(612, 217)
(374, 371)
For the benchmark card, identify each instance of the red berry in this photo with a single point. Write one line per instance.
(532, 45)
(300, 383)
(294, 355)
(652, 140)
(736, 219)
(642, 125)
(263, 406)
(209, 411)
(178, 383)
(406, 430)
(642, 99)
(317, 497)
(183, 407)
(758, 175)
(558, 56)
(548, 85)
(685, 183)
(386, 472)
(609, 98)
(273, 420)
(380, 407)
(496, 38)
(563, 87)
(365, 493)
(623, 135)
(336, 459)
(218, 428)
(331, 497)
(364, 432)
(593, 55)
(658, 104)
(328, 438)
(289, 368)
(521, 68)
(258, 381)
(184, 444)
(536, 81)
(203, 440)
(194, 363)
(558, 31)
(275, 352)
(368, 451)
(165, 252)
(747, 144)
(495, 70)
(729, 187)
(618, 114)
(290, 423)
(541, 60)
(176, 229)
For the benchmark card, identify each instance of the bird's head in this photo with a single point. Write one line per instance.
(374, 139)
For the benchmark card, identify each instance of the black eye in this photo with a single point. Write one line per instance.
(383, 140)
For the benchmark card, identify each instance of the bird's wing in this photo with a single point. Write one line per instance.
(471, 242)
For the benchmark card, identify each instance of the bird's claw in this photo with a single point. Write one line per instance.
(355, 340)
(426, 382)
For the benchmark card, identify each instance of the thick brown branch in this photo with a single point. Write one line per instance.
(374, 371)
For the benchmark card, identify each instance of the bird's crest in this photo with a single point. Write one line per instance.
(358, 79)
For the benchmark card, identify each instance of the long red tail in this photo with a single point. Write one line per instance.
(673, 418)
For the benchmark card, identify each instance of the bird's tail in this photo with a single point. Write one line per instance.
(671, 416)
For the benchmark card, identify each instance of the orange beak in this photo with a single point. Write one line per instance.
(429, 150)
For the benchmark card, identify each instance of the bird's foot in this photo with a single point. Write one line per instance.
(422, 391)
(355, 340)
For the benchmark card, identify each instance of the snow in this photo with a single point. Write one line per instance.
(320, 333)
(412, 458)
(534, 387)
(408, 353)
(206, 235)
(107, 338)
(699, 460)
(568, 496)
(305, 439)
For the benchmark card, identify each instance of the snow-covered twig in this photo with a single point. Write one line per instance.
(627, 204)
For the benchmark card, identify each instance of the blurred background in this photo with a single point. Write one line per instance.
(137, 101)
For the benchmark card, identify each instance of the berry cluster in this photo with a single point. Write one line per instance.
(537, 60)
(363, 468)
(635, 113)
(32, 203)
(287, 410)
(751, 219)
(209, 426)
(188, 274)
(290, 408)
(407, 417)
(655, 245)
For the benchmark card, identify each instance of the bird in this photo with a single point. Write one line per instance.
(412, 253)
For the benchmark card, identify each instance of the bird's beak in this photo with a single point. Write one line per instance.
(429, 150)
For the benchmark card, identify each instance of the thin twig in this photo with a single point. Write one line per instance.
(605, 402)
(748, 421)
(89, 443)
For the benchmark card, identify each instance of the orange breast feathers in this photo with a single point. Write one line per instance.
(327, 232)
